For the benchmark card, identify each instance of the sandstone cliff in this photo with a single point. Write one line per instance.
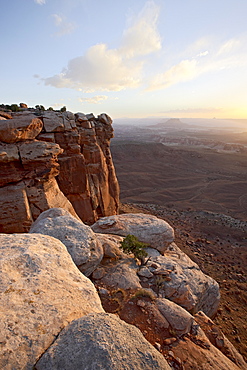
(55, 159)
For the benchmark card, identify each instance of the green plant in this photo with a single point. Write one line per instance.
(131, 244)
(14, 108)
(63, 109)
(144, 293)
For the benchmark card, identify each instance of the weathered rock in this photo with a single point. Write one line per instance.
(219, 340)
(43, 195)
(147, 228)
(119, 275)
(41, 292)
(179, 319)
(196, 352)
(101, 341)
(19, 129)
(111, 245)
(184, 283)
(5, 115)
(145, 272)
(69, 167)
(81, 242)
(23, 105)
(15, 211)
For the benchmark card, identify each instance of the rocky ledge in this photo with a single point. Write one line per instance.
(71, 299)
(55, 159)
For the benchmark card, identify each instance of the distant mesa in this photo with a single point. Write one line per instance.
(171, 123)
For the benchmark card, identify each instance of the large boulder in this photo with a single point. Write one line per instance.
(22, 128)
(147, 228)
(104, 342)
(41, 292)
(81, 242)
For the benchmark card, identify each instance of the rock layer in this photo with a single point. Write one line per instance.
(55, 160)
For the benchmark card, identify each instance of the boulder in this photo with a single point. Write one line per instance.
(111, 245)
(147, 228)
(22, 128)
(181, 281)
(101, 341)
(179, 319)
(41, 292)
(81, 242)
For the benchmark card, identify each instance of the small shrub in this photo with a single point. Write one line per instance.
(131, 244)
(63, 109)
(14, 108)
(144, 293)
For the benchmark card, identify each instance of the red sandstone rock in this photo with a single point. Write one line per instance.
(69, 166)
(19, 129)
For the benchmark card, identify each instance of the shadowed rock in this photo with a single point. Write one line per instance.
(101, 341)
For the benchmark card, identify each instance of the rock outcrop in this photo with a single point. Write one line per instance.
(55, 160)
(52, 318)
(41, 292)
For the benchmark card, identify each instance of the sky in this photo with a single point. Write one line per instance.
(164, 58)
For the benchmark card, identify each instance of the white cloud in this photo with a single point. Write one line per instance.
(181, 72)
(40, 2)
(94, 100)
(203, 54)
(229, 46)
(99, 69)
(142, 37)
(64, 27)
(105, 69)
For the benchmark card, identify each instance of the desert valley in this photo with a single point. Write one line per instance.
(193, 173)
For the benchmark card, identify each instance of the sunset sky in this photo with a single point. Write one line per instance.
(167, 58)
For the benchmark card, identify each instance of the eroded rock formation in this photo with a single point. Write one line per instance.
(55, 159)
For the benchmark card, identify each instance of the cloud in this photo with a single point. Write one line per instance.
(181, 72)
(105, 69)
(142, 37)
(64, 27)
(94, 100)
(231, 54)
(99, 69)
(229, 46)
(203, 54)
(40, 2)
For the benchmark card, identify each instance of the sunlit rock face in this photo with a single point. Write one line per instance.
(55, 159)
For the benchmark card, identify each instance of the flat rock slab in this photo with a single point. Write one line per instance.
(81, 242)
(147, 228)
(19, 129)
(41, 292)
(102, 342)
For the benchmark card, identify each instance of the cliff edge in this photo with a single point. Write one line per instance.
(55, 159)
